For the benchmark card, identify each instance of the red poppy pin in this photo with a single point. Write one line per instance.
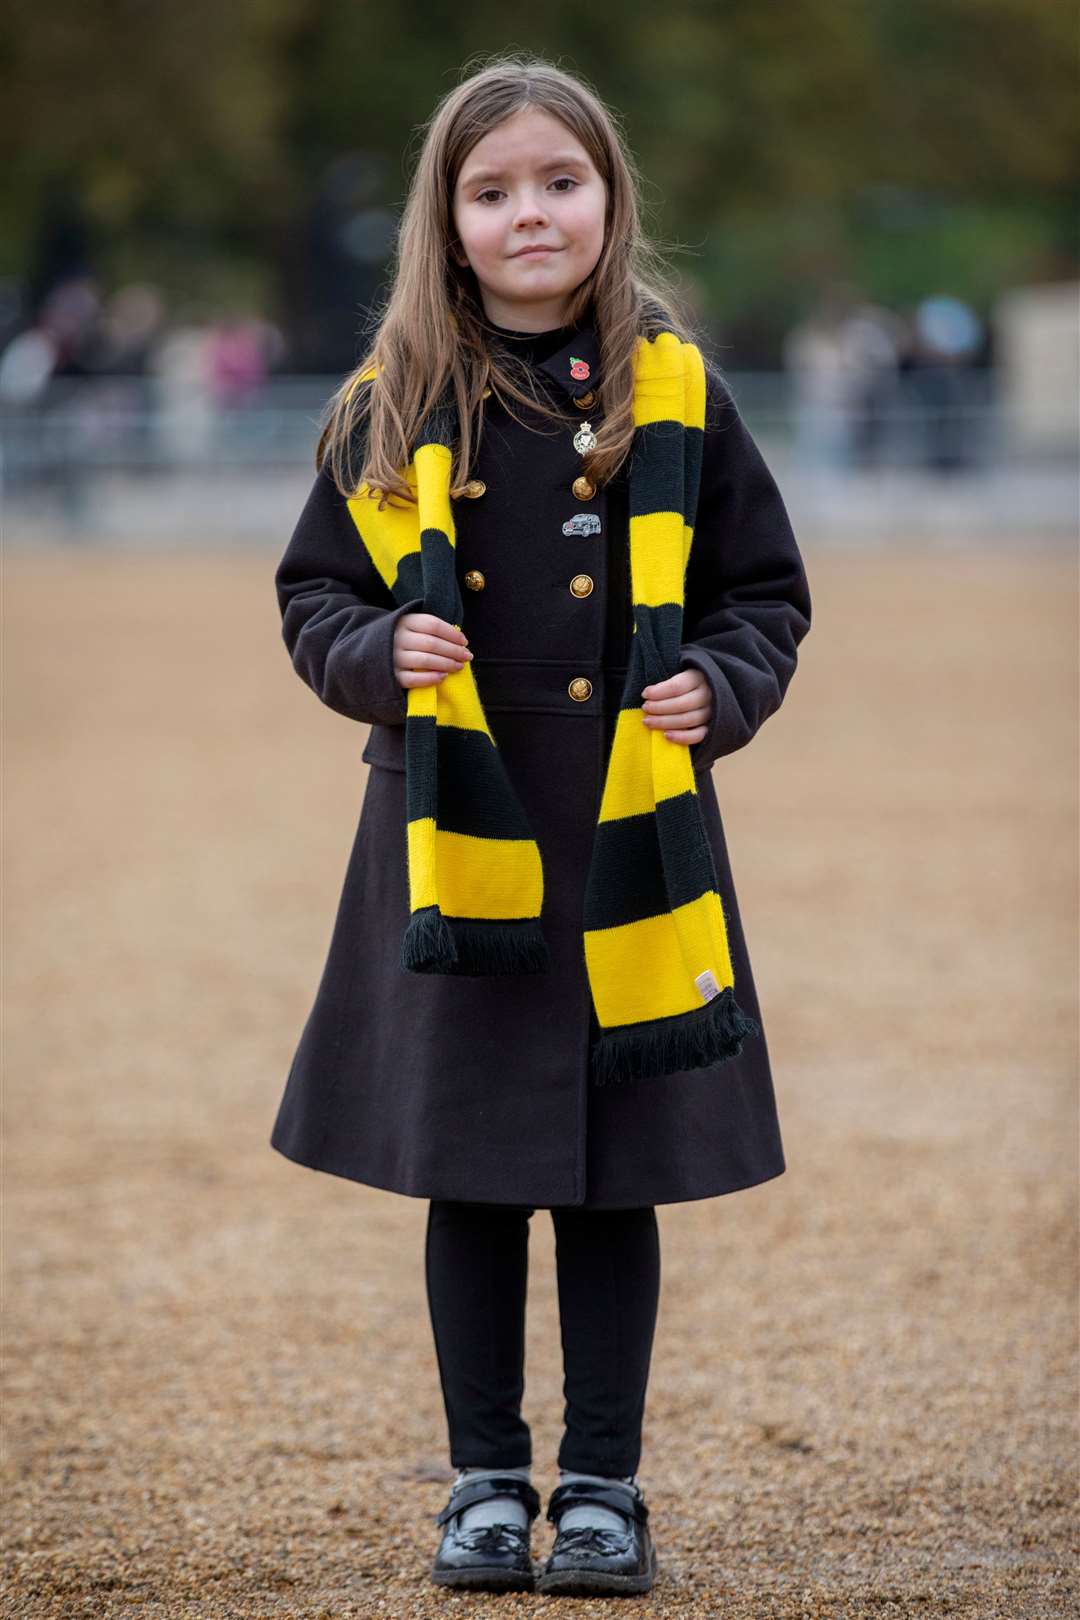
(579, 369)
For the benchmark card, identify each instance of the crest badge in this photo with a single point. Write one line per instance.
(584, 439)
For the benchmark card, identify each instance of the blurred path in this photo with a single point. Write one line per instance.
(219, 1366)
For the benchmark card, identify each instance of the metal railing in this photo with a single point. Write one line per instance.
(106, 454)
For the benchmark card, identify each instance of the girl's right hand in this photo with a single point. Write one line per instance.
(426, 649)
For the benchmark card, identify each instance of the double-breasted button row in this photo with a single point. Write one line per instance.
(580, 585)
(583, 488)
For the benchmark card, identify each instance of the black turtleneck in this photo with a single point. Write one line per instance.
(533, 347)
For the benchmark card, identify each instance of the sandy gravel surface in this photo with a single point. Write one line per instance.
(221, 1395)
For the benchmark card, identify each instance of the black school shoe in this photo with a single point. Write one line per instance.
(587, 1559)
(492, 1557)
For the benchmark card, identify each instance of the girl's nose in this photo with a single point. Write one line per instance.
(530, 213)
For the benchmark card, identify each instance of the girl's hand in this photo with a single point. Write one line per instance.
(681, 706)
(426, 649)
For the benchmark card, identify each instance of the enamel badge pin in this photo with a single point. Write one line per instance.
(579, 369)
(582, 523)
(584, 439)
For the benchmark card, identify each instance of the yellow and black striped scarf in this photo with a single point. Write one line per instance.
(654, 938)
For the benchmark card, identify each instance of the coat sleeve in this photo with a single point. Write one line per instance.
(338, 615)
(747, 601)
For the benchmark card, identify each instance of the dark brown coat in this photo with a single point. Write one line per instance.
(476, 1088)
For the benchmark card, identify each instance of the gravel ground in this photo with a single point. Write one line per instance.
(221, 1390)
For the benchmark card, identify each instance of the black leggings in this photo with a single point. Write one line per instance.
(608, 1270)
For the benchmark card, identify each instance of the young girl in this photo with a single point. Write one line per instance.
(544, 561)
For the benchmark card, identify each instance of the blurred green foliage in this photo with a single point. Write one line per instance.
(900, 146)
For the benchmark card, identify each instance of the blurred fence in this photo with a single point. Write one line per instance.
(934, 451)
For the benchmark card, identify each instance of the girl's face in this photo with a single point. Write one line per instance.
(529, 183)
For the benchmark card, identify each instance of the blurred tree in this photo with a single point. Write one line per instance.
(909, 146)
(165, 120)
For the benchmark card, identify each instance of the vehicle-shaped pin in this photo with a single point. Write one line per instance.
(582, 523)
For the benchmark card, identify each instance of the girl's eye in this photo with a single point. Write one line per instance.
(492, 191)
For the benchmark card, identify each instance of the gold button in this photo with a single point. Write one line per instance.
(580, 689)
(474, 489)
(475, 580)
(584, 489)
(581, 584)
(585, 401)
(486, 393)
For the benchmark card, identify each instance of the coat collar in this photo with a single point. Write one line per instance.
(584, 346)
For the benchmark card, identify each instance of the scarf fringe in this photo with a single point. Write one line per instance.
(694, 1040)
(437, 944)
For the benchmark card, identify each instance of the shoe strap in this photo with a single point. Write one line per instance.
(482, 1490)
(580, 1490)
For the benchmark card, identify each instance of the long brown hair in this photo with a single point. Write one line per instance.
(432, 330)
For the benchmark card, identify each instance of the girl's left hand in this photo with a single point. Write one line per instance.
(681, 706)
